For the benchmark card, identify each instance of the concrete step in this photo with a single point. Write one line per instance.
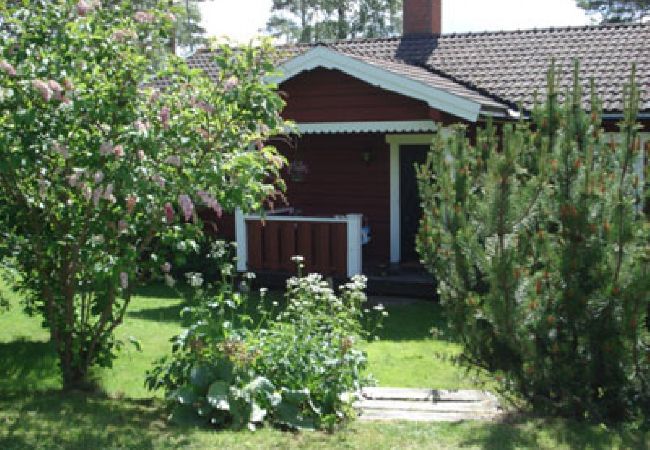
(427, 405)
(400, 405)
(415, 394)
(420, 416)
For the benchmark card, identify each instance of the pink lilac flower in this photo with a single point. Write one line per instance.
(106, 148)
(155, 95)
(7, 68)
(99, 176)
(169, 212)
(108, 192)
(83, 8)
(160, 181)
(173, 160)
(141, 126)
(164, 117)
(210, 202)
(124, 280)
(186, 205)
(167, 267)
(204, 106)
(73, 180)
(143, 17)
(54, 86)
(131, 201)
(43, 88)
(118, 151)
(87, 192)
(231, 83)
(123, 35)
(97, 194)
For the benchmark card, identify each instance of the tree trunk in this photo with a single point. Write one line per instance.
(74, 376)
(342, 31)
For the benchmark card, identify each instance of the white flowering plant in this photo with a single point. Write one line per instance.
(108, 144)
(242, 361)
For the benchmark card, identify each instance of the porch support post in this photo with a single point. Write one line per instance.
(395, 233)
(355, 264)
(242, 241)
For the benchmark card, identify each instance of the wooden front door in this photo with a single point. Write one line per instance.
(410, 209)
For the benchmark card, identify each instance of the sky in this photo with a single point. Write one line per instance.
(242, 20)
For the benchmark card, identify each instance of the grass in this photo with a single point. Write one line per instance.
(34, 414)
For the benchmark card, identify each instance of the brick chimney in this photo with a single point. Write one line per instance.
(422, 17)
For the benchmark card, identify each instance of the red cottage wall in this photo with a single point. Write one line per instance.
(341, 182)
(323, 95)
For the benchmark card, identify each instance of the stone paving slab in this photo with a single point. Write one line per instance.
(427, 405)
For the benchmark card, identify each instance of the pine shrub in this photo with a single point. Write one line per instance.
(538, 239)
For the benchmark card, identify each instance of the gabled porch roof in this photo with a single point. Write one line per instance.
(438, 92)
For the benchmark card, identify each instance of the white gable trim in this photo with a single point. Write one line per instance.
(385, 79)
(406, 126)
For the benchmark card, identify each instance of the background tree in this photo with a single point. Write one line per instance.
(100, 172)
(322, 20)
(540, 248)
(189, 34)
(612, 11)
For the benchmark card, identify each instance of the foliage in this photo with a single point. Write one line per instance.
(317, 20)
(291, 367)
(613, 11)
(312, 345)
(99, 169)
(188, 33)
(540, 249)
(54, 420)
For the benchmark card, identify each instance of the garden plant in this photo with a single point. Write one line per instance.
(108, 146)
(538, 239)
(295, 363)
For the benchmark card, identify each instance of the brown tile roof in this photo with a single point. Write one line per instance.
(508, 67)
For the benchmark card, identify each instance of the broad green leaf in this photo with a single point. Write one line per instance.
(201, 376)
(185, 395)
(218, 395)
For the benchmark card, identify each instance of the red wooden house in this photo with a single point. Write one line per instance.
(367, 110)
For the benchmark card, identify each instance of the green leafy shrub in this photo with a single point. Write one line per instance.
(237, 364)
(313, 345)
(540, 247)
(102, 173)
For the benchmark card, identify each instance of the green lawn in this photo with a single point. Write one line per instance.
(33, 414)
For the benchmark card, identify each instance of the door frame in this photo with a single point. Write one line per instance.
(396, 141)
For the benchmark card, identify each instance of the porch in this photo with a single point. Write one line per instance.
(332, 246)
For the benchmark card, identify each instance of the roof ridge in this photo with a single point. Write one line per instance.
(551, 28)
(471, 33)
(360, 40)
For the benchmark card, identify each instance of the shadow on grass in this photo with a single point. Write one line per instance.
(548, 433)
(171, 313)
(81, 421)
(27, 366)
(408, 322)
(157, 290)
